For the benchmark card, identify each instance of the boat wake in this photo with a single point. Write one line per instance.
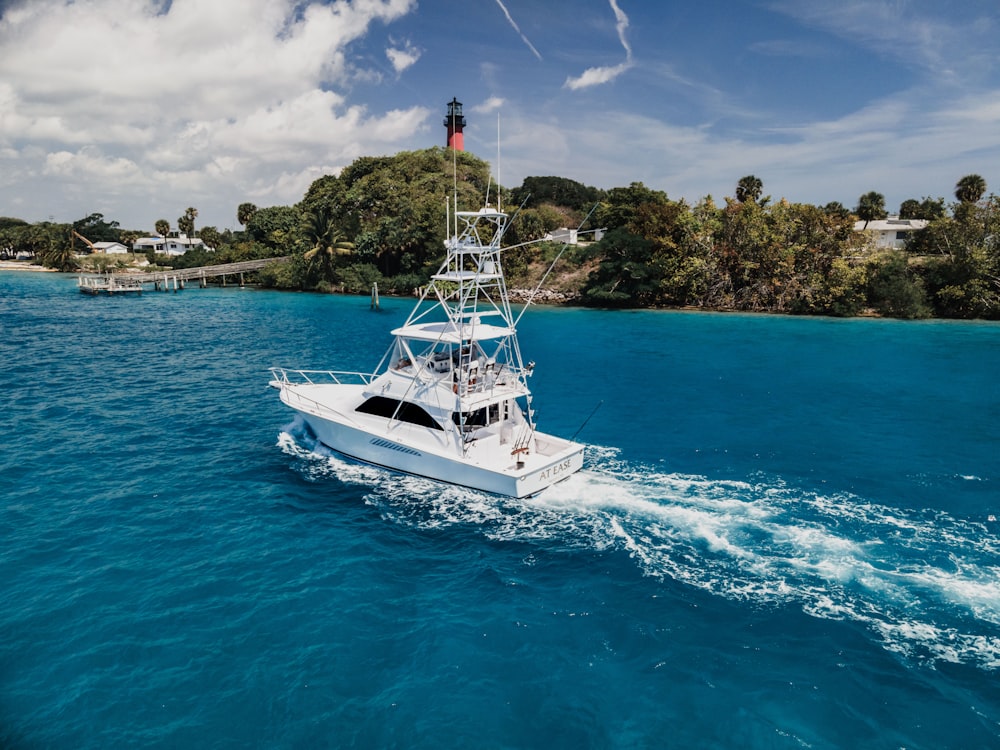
(926, 584)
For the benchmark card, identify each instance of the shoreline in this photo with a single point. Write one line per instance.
(22, 265)
(553, 298)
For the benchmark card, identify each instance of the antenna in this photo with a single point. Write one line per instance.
(454, 178)
(499, 207)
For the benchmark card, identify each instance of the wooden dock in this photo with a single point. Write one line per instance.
(177, 278)
(110, 285)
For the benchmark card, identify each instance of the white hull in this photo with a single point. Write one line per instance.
(484, 464)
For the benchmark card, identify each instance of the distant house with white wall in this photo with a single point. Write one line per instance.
(110, 248)
(172, 245)
(562, 234)
(891, 232)
(572, 236)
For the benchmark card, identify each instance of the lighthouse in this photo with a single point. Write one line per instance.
(455, 122)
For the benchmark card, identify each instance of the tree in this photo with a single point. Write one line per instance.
(128, 238)
(894, 289)
(394, 207)
(96, 229)
(909, 209)
(932, 208)
(755, 255)
(245, 212)
(621, 205)
(186, 222)
(275, 226)
(871, 206)
(836, 209)
(162, 227)
(749, 189)
(320, 230)
(627, 276)
(963, 275)
(211, 237)
(928, 208)
(970, 188)
(556, 190)
(54, 246)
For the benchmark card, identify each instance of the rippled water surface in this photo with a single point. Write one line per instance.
(785, 535)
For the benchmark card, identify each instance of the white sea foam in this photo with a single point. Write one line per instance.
(926, 584)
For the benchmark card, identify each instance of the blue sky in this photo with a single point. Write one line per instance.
(139, 108)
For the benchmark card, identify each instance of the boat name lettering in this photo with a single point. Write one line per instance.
(555, 470)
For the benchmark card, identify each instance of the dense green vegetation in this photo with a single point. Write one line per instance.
(383, 220)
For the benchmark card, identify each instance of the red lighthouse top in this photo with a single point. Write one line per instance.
(454, 121)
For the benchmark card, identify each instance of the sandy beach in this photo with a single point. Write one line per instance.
(23, 265)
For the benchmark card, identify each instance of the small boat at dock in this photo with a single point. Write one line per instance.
(450, 399)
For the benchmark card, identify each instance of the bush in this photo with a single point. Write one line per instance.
(281, 275)
(359, 277)
(894, 290)
(403, 284)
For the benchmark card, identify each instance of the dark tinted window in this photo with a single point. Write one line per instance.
(381, 406)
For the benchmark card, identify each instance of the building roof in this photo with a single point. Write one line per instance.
(891, 224)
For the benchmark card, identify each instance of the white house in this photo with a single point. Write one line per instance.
(173, 245)
(562, 234)
(891, 232)
(110, 248)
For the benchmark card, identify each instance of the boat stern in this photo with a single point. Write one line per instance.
(555, 460)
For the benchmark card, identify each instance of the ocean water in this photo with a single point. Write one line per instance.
(784, 536)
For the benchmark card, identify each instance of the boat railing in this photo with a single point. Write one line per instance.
(281, 377)
(108, 284)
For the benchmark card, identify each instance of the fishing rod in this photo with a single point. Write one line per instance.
(599, 404)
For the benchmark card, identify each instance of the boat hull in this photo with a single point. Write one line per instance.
(431, 454)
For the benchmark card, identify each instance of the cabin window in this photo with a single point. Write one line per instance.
(477, 417)
(390, 408)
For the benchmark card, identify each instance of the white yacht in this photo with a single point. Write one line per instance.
(450, 399)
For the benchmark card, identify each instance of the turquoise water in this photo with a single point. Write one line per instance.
(784, 537)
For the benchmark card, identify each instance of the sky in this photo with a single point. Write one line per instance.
(138, 109)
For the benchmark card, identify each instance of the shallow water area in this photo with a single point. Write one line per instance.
(784, 536)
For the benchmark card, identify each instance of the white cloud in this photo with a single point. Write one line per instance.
(402, 58)
(490, 105)
(893, 146)
(197, 104)
(516, 28)
(89, 163)
(598, 75)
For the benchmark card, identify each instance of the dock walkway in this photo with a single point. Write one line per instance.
(162, 279)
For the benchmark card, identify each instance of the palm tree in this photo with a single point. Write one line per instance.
(836, 209)
(910, 209)
(245, 212)
(186, 222)
(163, 229)
(749, 189)
(871, 206)
(970, 188)
(54, 253)
(327, 241)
